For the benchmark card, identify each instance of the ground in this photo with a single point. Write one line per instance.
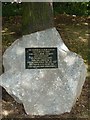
(75, 33)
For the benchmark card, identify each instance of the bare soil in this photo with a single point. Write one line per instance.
(75, 33)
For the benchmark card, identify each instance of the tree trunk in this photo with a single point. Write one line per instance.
(36, 16)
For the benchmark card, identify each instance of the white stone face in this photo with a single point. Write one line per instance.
(43, 91)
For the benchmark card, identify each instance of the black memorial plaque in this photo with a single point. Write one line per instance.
(40, 58)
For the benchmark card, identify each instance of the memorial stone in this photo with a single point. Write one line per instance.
(43, 74)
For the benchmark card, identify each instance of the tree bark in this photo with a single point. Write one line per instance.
(36, 16)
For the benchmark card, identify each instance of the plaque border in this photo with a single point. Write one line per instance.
(42, 48)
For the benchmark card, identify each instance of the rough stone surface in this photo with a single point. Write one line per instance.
(43, 91)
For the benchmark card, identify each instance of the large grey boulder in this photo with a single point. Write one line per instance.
(43, 91)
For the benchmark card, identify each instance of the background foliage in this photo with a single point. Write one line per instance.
(72, 8)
